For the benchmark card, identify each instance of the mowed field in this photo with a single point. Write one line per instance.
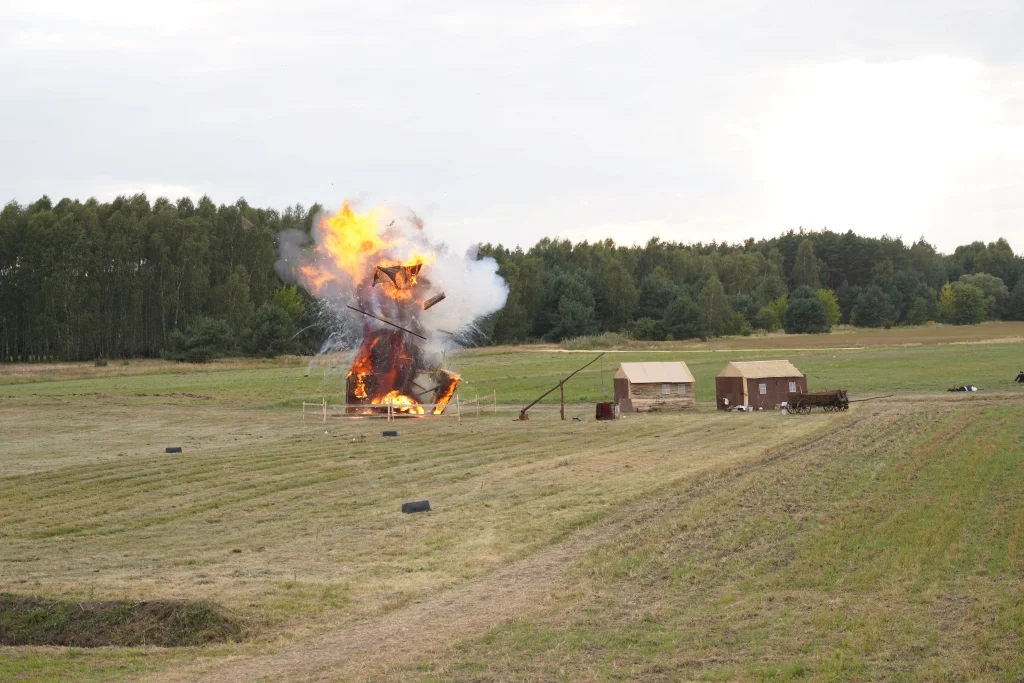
(881, 543)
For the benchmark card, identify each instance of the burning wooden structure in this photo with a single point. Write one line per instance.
(390, 366)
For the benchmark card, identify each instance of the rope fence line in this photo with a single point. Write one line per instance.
(392, 412)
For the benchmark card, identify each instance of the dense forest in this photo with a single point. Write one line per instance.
(92, 280)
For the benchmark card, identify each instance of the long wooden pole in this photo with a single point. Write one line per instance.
(384, 320)
(561, 387)
(522, 413)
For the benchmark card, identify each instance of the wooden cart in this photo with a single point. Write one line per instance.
(828, 401)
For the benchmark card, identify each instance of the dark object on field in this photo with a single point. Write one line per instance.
(1020, 377)
(560, 386)
(416, 506)
(965, 387)
(576, 419)
(172, 449)
(391, 432)
(31, 620)
(829, 401)
(433, 301)
(607, 411)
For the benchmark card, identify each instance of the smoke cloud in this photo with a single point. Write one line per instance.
(337, 261)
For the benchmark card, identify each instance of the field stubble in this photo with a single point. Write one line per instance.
(655, 547)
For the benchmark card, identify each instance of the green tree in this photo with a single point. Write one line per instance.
(805, 269)
(805, 315)
(946, 303)
(575, 311)
(289, 299)
(683, 319)
(206, 338)
(1015, 308)
(918, 312)
(772, 288)
(272, 332)
(968, 305)
(778, 308)
(873, 309)
(648, 329)
(768, 319)
(745, 305)
(232, 300)
(657, 291)
(830, 301)
(995, 292)
(714, 308)
(615, 295)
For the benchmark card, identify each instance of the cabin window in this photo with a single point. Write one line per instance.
(666, 389)
(762, 388)
(681, 389)
(792, 387)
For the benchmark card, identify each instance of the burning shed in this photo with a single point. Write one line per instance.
(757, 384)
(380, 279)
(645, 387)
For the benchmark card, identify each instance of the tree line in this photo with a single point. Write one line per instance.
(193, 280)
(129, 278)
(802, 282)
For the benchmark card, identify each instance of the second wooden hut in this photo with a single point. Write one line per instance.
(758, 384)
(645, 387)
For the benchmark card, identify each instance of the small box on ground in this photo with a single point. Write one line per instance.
(416, 506)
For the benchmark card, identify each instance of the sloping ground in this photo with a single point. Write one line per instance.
(887, 548)
(28, 620)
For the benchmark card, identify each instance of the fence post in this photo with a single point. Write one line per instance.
(458, 407)
(325, 409)
(494, 396)
(478, 405)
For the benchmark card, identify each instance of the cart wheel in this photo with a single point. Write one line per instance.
(803, 407)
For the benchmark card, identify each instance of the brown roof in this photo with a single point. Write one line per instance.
(649, 373)
(760, 369)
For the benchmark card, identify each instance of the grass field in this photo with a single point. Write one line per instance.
(882, 543)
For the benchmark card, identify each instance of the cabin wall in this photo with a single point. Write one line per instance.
(728, 388)
(776, 391)
(649, 397)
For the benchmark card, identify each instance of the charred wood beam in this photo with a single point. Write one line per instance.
(385, 321)
(433, 301)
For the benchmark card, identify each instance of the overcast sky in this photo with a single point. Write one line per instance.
(509, 121)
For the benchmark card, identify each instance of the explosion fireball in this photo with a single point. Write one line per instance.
(385, 282)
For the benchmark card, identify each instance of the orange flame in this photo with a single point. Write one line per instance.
(401, 403)
(441, 402)
(355, 243)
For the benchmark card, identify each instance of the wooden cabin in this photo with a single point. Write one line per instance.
(646, 387)
(761, 384)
